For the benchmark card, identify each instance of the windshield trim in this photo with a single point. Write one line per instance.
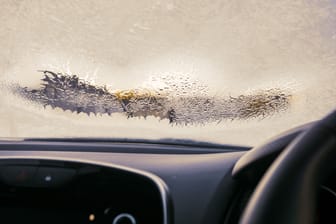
(161, 146)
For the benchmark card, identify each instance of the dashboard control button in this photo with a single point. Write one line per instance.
(124, 218)
(22, 176)
(50, 176)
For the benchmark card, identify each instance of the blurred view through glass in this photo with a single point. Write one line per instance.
(224, 71)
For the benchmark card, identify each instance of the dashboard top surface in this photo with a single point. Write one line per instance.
(206, 175)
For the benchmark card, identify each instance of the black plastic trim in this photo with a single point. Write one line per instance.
(254, 163)
(101, 145)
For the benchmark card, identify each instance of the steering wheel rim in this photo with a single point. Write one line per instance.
(287, 193)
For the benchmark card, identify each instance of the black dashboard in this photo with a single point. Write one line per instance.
(59, 191)
(69, 181)
(170, 187)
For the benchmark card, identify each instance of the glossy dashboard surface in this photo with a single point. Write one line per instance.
(56, 191)
(196, 183)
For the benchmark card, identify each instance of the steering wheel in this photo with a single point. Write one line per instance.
(287, 193)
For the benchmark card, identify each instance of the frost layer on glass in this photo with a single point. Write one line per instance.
(243, 49)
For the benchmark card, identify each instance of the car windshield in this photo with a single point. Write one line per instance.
(220, 71)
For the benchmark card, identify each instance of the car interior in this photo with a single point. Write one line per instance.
(289, 179)
(167, 111)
